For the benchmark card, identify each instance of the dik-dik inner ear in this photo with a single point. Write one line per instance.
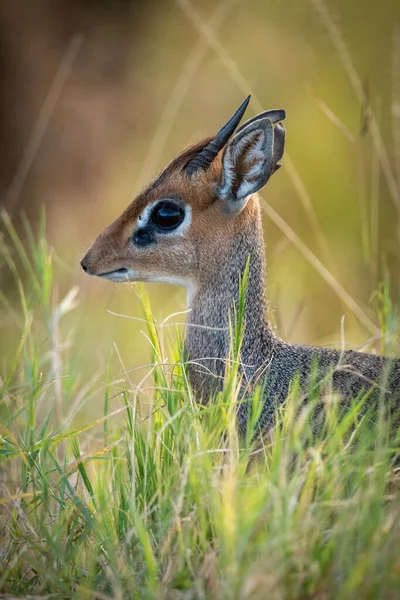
(249, 160)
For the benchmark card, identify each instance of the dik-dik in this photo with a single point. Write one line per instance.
(197, 225)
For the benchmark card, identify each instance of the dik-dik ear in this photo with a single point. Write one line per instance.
(249, 160)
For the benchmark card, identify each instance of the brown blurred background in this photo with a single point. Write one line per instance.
(97, 96)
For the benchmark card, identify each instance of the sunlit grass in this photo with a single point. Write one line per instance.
(160, 497)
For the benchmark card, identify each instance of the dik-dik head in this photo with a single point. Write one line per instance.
(181, 227)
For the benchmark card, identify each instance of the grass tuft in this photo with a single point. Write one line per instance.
(161, 497)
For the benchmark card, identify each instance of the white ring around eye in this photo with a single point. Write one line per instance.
(145, 217)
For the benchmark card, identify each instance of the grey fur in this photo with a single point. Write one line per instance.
(265, 357)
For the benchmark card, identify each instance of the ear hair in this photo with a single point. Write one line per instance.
(274, 115)
(249, 160)
(279, 145)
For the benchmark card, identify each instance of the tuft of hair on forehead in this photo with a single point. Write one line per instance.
(180, 162)
(174, 175)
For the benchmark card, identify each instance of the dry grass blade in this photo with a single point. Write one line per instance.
(396, 100)
(328, 112)
(348, 65)
(43, 120)
(178, 93)
(320, 268)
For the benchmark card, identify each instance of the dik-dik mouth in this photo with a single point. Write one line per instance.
(119, 275)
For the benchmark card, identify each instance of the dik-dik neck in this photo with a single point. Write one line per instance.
(208, 338)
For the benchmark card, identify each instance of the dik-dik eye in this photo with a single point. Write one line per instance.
(167, 215)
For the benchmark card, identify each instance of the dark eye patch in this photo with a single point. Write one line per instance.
(142, 237)
(167, 215)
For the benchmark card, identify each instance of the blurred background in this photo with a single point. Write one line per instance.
(97, 97)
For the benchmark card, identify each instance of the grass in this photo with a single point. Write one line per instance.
(162, 499)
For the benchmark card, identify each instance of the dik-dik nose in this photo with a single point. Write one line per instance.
(84, 264)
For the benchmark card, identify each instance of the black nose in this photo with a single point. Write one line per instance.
(83, 265)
